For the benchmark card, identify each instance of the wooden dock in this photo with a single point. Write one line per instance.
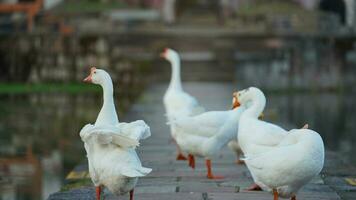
(174, 180)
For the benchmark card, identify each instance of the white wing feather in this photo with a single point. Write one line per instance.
(137, 130)
(107, 135)
(206, 124)
(135, 172)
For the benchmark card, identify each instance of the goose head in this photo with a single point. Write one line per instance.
(252, 97)
(170, 55)
(97, 76)
(245, 96)
(235, 101)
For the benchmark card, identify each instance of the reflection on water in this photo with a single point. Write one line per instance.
(332, 115)
(39, 141)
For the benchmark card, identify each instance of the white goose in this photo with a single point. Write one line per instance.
(176, 101)
(110, 145)
(205, 134)
(279, 161)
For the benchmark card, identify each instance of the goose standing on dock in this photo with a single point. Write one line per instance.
(280, 161)
(205, 134)
(177, 102)
(110, 145)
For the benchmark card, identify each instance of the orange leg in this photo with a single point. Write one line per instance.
(131, 194)
(98, 192)
(293, 198)
(191, 161)
(275, 194)
(254, 187)
(180, 155)
(210, 174)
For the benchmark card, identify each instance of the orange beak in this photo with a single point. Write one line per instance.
(235, 101)
(88, 79)
(164, 53)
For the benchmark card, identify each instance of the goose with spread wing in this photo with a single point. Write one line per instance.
(110, 145)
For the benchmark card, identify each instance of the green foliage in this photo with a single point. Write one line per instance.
(19, 88)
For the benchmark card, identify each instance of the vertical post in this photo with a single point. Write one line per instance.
(350, 13)
(168, 11)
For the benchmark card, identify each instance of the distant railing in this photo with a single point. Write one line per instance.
(31, 10)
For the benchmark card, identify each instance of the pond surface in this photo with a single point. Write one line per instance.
(40, 143)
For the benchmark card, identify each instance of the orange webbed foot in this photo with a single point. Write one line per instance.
(210, 173)
(210, 176)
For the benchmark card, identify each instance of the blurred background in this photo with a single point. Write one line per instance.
(302, 53)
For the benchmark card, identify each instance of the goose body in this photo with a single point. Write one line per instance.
(177, 102)
(180, 103)
(290, 165)
(280, 161)
(110, 145)
(205, 134)
(261, 135)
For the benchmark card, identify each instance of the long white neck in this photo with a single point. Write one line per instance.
(176, 83)
(227, 133)
(107, 114)
(258, 103)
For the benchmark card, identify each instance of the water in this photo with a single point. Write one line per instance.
(330, 114)
(39, 141)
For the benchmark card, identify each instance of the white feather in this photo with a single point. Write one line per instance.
(277, 159)
(110, 145)
(205, 134)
